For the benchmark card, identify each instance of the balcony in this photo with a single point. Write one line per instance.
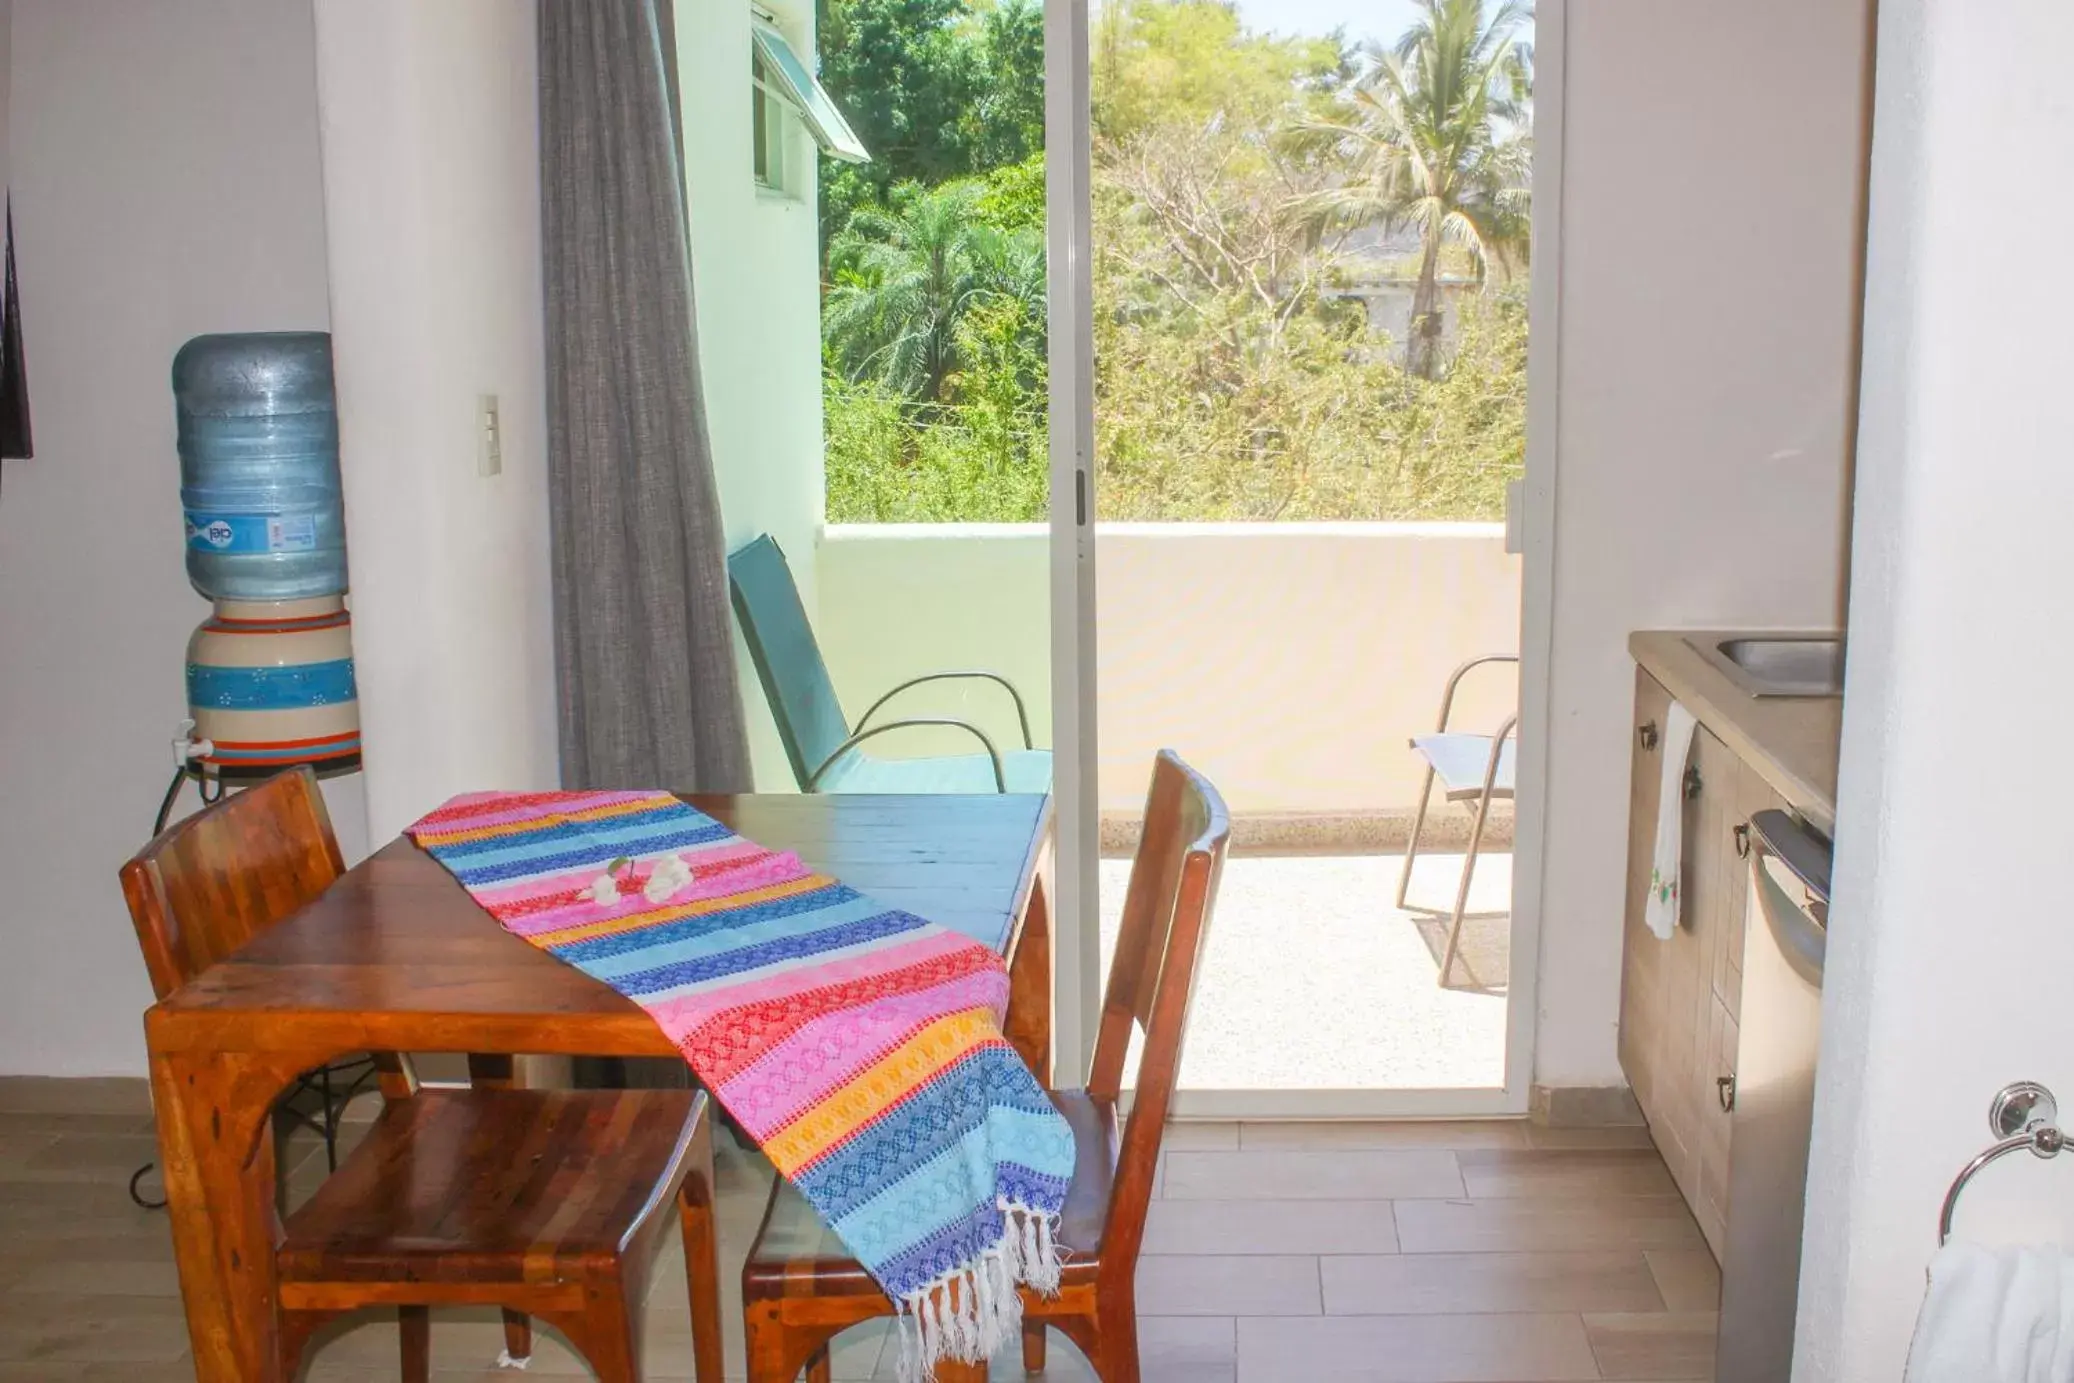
(1290, 662)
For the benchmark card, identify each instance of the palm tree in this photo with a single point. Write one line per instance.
(905, 278)
(1437, 138)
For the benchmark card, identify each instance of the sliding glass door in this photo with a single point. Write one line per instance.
(1288, 399)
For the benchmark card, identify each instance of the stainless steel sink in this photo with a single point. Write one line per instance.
(1778, 664)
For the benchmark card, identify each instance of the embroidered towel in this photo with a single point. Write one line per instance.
(858, 1044)
(1662, 911)
(1996, 1315)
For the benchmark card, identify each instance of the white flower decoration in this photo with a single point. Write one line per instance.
(604, 891)
(671, 874)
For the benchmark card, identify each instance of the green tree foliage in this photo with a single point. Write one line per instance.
(1158, 63)
(1318, 425)
(1007, 122)
(980, 456)
(936, 89)
(907, 281)
(1433, 137)
(1237, 376)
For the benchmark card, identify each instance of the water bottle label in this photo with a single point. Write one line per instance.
(241, 533)
(294, 533)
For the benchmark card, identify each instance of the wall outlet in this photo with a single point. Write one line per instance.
(489, 436)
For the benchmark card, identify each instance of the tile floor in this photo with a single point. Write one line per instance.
(1310, 948)
(1276, 1253)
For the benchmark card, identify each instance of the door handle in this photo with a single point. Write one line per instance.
(1692, 782)
(1725, 1091)
(1804, 852)
(1742, 835)
(1645, 735)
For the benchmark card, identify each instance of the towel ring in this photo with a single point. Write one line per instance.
(2024, 1117)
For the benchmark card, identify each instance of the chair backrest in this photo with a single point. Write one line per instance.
(209, 884)
(788, 660)
(1159, 948)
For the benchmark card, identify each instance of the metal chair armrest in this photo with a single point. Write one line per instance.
(1454, 680)
(993, 754)
(1022, 714)
(1490, 767)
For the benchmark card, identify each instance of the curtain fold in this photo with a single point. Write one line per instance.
(644, 651)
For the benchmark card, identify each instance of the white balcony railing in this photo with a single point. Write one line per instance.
(1291, 661)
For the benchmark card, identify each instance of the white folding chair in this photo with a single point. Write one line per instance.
(1470, 767)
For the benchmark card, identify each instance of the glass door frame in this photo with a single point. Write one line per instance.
(1076, 913)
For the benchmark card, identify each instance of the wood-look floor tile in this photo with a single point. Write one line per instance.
(1689, 1279)
(125, 1269)
(1062, 1364)
(466, 1342)
(56, 1122)
(1663, 1345)
(86, 1279)
(1200, 1135)
(1545, 1224)
(1477, 1283)
(97, 1158)
(179, 1370)
(1566, 1172)
(127, 1095)
(1394, 1133)
(75, 1210)
(1228, 1285)
(1170, 1350)
(1187, 1347)
(1304, 1226)
(462, 1340)
(1280, 1174)
(96, 1330)
(1605, 1137)
(1415, 1349)
(18, 1147)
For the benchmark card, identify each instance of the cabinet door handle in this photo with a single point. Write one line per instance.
(1645, 734)
(1742, 835)
(1692, 782)
(1725, 1091)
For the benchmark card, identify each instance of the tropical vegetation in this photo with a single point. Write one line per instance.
(1252, 196)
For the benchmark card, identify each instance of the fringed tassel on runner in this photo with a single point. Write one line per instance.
(970, 1313)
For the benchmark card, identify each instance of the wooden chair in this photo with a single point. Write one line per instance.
(800, 1287)
(548, 1203)
(825, 750)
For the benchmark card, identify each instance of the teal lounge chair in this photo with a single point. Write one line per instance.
(826, 750)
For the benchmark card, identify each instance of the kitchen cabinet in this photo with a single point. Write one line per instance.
(1680, 998)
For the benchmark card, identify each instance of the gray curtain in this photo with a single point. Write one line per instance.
(644, 654)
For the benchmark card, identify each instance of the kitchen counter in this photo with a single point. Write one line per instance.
(1790, 740)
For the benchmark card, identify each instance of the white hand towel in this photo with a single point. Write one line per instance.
(1996, 1315)
(1662, 911)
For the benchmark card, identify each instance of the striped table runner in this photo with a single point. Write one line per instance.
(858, 1044)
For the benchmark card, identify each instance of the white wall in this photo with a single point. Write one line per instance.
(1950, 943)
(899, 600)
(163, 157)
(755, 270)
(429, 119)
(1289, 661)
(1711, 163)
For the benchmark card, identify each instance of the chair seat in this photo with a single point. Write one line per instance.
(1026, 770)
(795, 1245)
(1459, 761)
(493, 1186)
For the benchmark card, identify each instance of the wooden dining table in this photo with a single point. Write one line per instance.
(397, 957)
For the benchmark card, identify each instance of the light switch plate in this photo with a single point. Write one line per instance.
(489, 436)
